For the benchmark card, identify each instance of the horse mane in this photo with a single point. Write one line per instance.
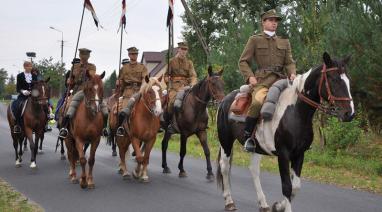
(196, 88)
(146, 86)
(93, 80)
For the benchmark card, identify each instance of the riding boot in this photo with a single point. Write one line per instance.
(250, 123)
(17, 129)
(105, 132)
(121, 118)
(64, 129)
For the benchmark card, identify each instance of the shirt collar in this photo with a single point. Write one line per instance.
(269, 33)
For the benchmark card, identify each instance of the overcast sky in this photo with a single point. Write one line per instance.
(24, 26)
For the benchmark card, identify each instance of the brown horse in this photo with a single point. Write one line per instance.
(112, 102)
(86, 128)
(142, 126)
(193, 119)
(34, 118)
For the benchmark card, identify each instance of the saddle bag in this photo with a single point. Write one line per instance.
(241, 103)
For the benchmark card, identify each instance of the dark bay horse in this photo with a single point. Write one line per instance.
(143, 126)
(35, 119)
(290, 133)
(112, 102)
(193, 119)
(86, 128)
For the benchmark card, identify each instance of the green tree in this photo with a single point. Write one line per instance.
(3, 78)
(109, 84)
(54, 70)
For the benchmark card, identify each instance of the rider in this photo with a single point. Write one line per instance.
(272, 55)
(182, 74)
(23, 87)
(130, 79)
(76, 82)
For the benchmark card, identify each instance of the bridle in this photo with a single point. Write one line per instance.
(213, 92)
(89, 101)
(148, 102)
(331, 110)
(36, 96)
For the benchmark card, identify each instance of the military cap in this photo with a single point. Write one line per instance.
(183, 45)
(84, 50)
(125, 61)
(270, 14)
(76, 60)
(133, 50)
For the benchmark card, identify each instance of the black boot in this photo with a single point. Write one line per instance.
(17, 129)
(105, 132)
(121, 118)
(250, 123)
(64, 127)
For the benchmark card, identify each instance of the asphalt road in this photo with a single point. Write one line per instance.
(49, 185)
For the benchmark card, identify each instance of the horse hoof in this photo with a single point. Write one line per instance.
(18, 164)
(33, 165)
(230, 207)
(114, 154)
(166, 170)
(83, 184)
(119, 171)
(267, 209)
(144, 179)
(91, 186)
(210, 177)
(135, 175)
(63, 157)
(182, 174)
(74, 181)
(126, 176)
(277, 208)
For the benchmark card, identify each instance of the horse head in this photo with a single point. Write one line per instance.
(151, 92)
(332, 81)
(215, 84)
(93, 91)
(40, 92)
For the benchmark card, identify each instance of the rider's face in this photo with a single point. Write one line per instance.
(270, 24)
(84, 56)
(183, 52)
(133, 57)
(28, 67)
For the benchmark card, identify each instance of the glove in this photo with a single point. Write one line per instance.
(25, 92)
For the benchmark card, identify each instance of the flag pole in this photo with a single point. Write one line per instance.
(79, 32)
(120, 50)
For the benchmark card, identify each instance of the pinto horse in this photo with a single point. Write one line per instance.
(34, 118)
(193, 119)
(290, 131)
(86, 128)
(143, 126)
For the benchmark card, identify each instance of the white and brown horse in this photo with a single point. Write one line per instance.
(290, 133)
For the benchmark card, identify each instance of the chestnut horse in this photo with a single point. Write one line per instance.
(86, 128)
(34, 118)
(142, 127)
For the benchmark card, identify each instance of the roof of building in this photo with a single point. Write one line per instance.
(156, 57)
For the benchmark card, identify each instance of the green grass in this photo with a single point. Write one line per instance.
(358, 168)
(13, 201)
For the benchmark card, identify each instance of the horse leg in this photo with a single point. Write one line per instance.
(40, 146)
(81, 154)
(183, 150)
(113, 146)
(86, 146)
(25, 144)
(62, 149)
(72, 157)
(139, 157)
(296, 173)
(202, 135)
(33, 147)
(148, 147)
(123, 145)
(223, 178)
(255, 171)
(285, 204)
(15, 146)
(165, 140)
(93, 149)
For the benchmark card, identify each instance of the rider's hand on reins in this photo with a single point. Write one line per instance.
(252, 80)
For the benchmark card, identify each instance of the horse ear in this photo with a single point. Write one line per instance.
(160, 78)
(347, 59)
(102, 75)
(327, 60)
(221, 72)
(210, 70)
(147, 79)
(47, 80)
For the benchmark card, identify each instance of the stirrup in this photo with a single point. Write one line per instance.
(17, 129)
(63, 133)
(120, 132)
(250, 145)
(105, 132)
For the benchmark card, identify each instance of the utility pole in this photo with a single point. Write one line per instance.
(61, 71)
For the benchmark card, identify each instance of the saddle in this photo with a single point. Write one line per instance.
(15, 107)
(243, 99)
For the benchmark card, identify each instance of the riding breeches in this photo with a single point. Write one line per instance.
(76, 100)
(127, 110)
(176, 86)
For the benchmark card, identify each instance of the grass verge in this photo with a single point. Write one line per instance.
(13, 201)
